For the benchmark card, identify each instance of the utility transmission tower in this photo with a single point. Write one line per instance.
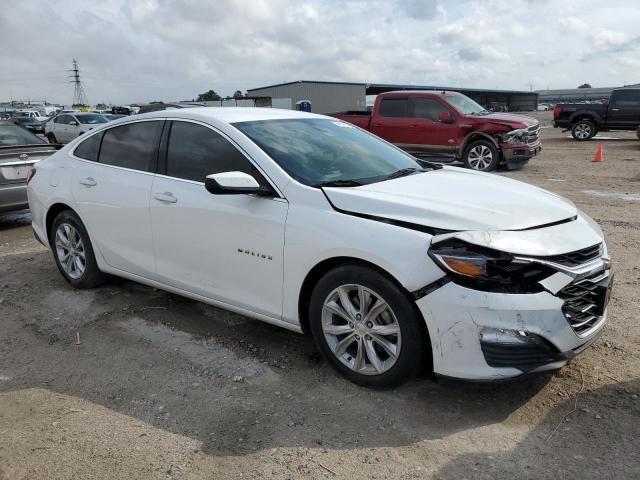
(79, 97)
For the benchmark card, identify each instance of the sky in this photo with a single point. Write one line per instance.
(144, 50)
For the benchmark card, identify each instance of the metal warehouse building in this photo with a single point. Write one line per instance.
(579, 94)
(328, 97)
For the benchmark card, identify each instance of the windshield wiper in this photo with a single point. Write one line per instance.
(338, 183)
(403, 172)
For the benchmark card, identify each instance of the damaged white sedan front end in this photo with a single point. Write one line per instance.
(505, 308)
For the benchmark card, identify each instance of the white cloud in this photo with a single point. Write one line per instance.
(574, 25)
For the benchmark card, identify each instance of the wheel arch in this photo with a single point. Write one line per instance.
(593, 117)
(472, 137)
(53, 211)
(321, 268)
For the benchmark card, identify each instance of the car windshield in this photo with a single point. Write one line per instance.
(321, 152)
(91, 119)
(14, 135)
(465, 105)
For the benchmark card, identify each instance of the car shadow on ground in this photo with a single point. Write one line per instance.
(235, 384)
(569, 446)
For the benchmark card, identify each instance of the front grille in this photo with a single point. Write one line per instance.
(578, 257)
(533, 134)
(583, 301)
(519, 356)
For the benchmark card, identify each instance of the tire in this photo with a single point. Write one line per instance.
(583, 130)
(81, 270)
(381, 351)
(481, 155)
(52, 138)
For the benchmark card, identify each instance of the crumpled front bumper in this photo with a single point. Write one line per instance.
(516, 156)
(487, 336)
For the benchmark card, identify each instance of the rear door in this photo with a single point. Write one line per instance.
(624, 109)
(112, 193)
(391, 119)
(429, 133)
(61, 128)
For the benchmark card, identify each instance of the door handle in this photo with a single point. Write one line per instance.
(166, 197)
(615, 109)
(88, 182)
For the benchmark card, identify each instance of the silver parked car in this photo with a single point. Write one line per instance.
(19, 151)
(65, 127)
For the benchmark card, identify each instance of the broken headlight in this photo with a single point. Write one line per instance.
(514, 136)
(488, 270)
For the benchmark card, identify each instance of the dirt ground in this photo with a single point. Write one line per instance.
(164, 387)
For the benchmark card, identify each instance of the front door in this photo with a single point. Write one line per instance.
(112, 194)
(430, 135)
(225, 247)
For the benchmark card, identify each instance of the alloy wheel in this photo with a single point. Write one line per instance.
(70, 250)
(480, 157)
(583, 131)
(361, 329)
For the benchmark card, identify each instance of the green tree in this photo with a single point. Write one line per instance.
(209, 96)
(585, 85)
(237, 94)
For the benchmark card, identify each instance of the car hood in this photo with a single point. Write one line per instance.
(509, 119)
(455, 199)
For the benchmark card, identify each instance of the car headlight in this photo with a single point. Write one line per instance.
(514, 136)
(485, 269)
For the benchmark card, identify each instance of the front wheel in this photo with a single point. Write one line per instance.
(366, 328)
(481, 155)
(583, 130)
(73, 251)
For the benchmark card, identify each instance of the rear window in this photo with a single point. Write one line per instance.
(14, 135)
(394, 107)
(88, 149)
(131, 146)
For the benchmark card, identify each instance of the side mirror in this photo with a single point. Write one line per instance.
(445, 117)
(234, 183)
(73, 122)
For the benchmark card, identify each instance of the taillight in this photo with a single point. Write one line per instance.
(556, 112)
(30, 174)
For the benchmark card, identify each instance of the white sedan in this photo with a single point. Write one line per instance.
(67, 126)
(315, 225)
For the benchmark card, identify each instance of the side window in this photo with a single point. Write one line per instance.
(89, 148)
(428, 108)
(394, 107)
(195, 151)
(62, 119)
(131, 146)
(628, 98)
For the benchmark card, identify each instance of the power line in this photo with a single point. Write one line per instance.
(79, 97)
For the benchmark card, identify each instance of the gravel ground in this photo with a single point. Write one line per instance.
(164, 387)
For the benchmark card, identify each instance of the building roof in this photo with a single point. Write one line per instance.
(306, 81)
(373, 88)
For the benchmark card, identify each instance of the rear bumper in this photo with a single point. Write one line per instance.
(13, 197)
(516, 156)
(561, 124)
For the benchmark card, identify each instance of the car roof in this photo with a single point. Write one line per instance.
(228, 114)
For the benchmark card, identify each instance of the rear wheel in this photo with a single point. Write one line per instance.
(583, 130)
(481, 155)
(73, 251)
(366, 328)
(52, 138)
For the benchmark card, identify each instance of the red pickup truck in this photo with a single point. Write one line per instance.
(450, 126)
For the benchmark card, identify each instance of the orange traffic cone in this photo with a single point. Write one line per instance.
(598, 156)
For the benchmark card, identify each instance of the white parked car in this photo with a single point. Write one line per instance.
(65, 127)
(315, 225)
